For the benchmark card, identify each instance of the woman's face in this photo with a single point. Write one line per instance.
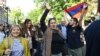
(15, 31)
(28, 24)
(52, 24)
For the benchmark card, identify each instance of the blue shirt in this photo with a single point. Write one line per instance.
(64, 31)
(17, 48)
(2, 35)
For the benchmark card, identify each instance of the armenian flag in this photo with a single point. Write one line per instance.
(76, 11)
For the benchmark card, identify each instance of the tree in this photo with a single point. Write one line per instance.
(17, 15)
(34, 15)
(58, 6)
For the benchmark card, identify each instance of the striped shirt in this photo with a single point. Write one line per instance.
(17, 48)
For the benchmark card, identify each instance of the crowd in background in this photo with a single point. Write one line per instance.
(64, 39)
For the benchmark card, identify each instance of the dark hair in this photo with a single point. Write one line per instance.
(25, 26)
(93, 18)
(1, 24)
(75, 19)
(26, 21)
(50, 20)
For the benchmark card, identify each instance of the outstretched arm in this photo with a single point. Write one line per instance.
(42, 20)
(82, 15)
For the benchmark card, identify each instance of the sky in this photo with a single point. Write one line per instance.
(25, 5)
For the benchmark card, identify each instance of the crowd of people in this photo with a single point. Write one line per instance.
(52, 39)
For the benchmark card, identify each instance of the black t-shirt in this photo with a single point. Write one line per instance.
(74, 40)
(57, 43)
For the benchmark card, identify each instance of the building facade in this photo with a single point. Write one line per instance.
(3, 16)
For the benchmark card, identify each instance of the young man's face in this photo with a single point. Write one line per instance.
(63, 22)
(73, 22)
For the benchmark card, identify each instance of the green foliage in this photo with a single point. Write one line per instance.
(34, 15)
(58, 6)
(16, 15)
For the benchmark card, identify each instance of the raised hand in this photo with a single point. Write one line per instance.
(48, 6)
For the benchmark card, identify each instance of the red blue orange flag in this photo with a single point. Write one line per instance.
(76, 11)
